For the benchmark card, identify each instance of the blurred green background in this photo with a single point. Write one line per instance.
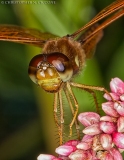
(26, 111)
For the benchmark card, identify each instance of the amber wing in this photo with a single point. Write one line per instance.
(89, 45)
(116, 9)
(25, 36)
(92, 36)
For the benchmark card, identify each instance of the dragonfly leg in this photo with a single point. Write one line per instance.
(59, 123)
(73, 113)
(91, 88)
(70, 95)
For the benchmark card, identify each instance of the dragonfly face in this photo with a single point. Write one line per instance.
(63, 58)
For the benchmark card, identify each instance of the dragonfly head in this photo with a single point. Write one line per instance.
(50, 70)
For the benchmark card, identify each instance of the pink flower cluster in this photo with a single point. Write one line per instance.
(103, 136)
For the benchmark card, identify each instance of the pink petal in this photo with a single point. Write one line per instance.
(109, 110)
(122, 97)
(72, 143)
(117, 86)
(63, 157)
(86, 142)
(106, 141)
(118, 139)
(47, 157)
(80, 155)
(116, 154)
(92, 130)
(120, 124)
(65, 150)
(87, 138)
(114, 96)
(84, 145)
(88, 118)
(108, 118)
(108, 156)
(107, 127)
(119, 107)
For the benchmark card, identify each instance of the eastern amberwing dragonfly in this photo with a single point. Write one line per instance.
(63, 58)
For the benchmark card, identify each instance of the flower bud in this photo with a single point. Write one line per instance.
(108, 119)
(92, 130)
(122, 97)
(114, 96)
(65, 150)
(72, 143)
(88, 118)
(106, 141)
(120, 124)
(80, 155)
(118, 139)
(108, 108)
(117, 85)
(116, 154)
(119, 107)
(107, 127)
(47, 157)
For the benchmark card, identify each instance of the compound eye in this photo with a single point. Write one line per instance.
(62, 65)
(35, 62)
(34, 65)
(58, 65)
(58, 60)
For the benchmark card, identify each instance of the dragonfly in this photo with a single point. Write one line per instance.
(63, 58)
